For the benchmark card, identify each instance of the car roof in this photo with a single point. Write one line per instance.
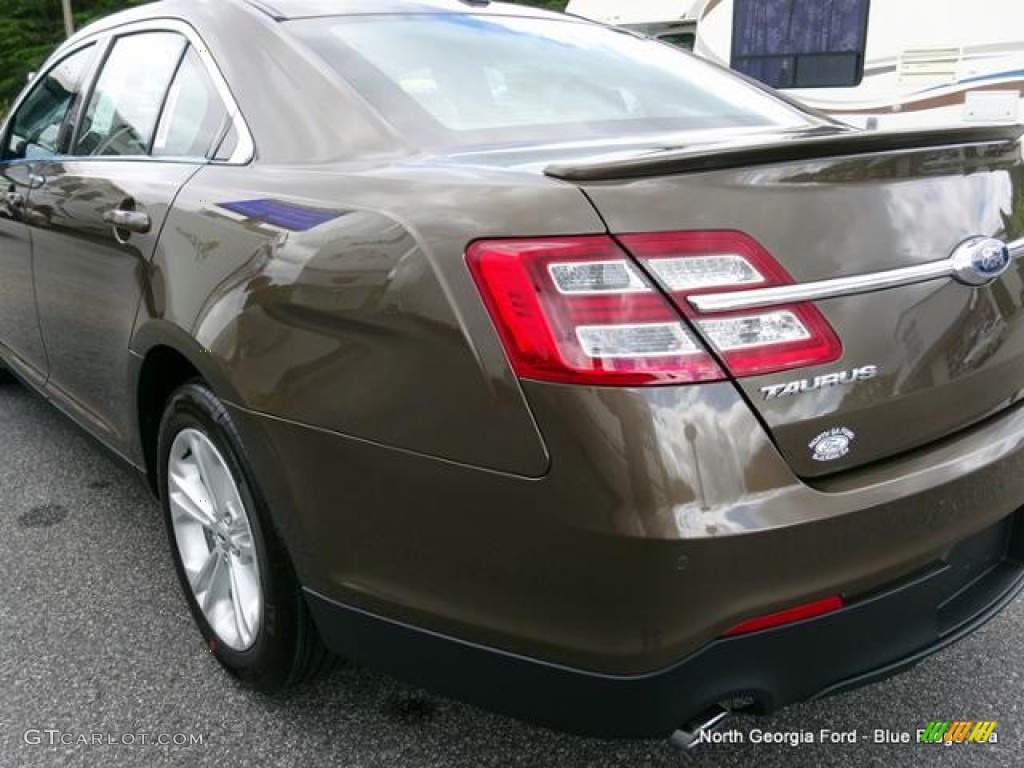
(284, 10)
(299, 9)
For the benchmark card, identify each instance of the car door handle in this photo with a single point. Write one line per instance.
(129, 221)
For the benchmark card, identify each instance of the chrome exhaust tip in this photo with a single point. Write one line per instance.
(692, 734)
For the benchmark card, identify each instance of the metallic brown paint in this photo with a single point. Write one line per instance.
(598, 567)
(22, 336)
(89, 285)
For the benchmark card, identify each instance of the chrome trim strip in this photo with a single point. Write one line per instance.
(825, 289)
(831, 289)
(1017, 249)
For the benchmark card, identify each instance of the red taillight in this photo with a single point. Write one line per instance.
(749, 342)
(788, 616)
(577, 310)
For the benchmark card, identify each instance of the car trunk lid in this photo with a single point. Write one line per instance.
(923, 355)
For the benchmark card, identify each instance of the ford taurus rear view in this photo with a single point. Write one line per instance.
(529, 360)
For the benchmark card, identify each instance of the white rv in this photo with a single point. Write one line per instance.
(892, 62)
(898, 62)
(673, 21)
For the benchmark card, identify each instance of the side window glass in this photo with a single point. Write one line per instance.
(194, 116)
(36, 127)
(228, 145)
(125, 105)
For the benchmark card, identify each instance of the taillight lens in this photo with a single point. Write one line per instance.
(749, 342)
(577, 310)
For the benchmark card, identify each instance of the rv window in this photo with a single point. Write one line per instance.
(684, 40)
(801, 43)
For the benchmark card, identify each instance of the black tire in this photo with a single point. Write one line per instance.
(287, 649)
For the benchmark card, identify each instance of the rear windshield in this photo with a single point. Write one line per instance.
(471, 79)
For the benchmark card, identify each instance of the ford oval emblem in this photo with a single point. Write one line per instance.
(980, 260)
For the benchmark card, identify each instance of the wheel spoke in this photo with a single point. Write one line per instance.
(217, 584)
(242, 539)
(239, 524)
(185, 497)
(203, 578)
(233, 508)
(221, 484)
(241, 622)
(196, 447)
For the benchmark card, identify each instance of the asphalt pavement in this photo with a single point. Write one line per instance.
(99, 660)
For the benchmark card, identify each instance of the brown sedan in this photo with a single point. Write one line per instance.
(532, 361)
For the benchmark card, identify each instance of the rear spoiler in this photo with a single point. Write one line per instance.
(778, 150)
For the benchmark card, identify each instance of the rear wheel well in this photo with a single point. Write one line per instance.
(163, 371)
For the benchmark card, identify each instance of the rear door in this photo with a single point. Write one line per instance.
(34, 133)
(843, 380)
(151, 121)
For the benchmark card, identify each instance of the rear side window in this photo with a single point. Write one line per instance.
(801, 43)
(194, 116)
(125, 106)
(36, 127)
(484, 78)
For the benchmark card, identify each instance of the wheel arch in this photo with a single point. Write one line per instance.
(166, 357)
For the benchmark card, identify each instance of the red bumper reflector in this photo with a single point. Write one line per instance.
(788, 616)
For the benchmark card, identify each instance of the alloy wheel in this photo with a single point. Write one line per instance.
(214, 539)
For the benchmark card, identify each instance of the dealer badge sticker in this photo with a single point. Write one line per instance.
(832, 445)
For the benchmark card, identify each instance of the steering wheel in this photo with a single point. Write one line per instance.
(108, 142)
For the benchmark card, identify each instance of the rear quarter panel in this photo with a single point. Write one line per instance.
(342, 301)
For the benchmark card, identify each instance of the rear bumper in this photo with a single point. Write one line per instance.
(874, 636)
